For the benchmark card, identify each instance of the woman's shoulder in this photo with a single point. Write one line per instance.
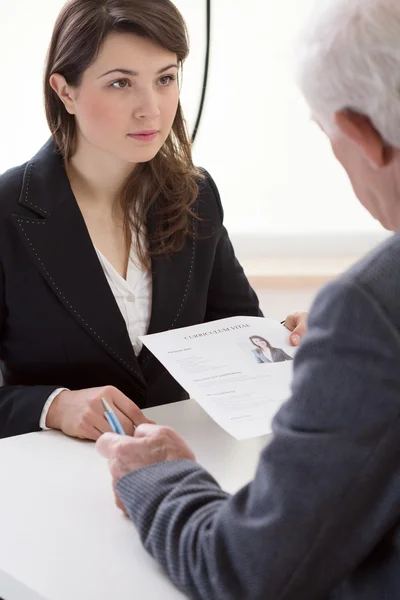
(209, 201)
(19, 179)
(10, 187)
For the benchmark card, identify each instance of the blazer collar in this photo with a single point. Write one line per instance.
(45, 184)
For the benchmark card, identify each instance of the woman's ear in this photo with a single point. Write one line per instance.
(63, 91)
(360, 130)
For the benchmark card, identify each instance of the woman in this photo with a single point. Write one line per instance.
(109, 232)
(265, 353)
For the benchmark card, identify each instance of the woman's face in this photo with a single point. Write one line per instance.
(126, 103)
(260, 343)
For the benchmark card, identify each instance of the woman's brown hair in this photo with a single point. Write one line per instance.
(166, 186)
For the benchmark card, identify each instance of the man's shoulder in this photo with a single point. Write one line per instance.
(377, 264)
(378, 275)
(372, 283)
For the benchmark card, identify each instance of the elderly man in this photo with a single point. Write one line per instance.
(321, 519)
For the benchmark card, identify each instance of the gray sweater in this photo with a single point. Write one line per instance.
(320, 520)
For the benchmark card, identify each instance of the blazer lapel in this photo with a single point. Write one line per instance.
(172, 277)
(62, 250)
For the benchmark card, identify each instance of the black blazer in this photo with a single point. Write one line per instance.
(59, 323)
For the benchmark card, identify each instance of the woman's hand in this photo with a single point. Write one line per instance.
(80, 414)
(297, 323)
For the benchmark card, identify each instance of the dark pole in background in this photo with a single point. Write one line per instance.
(206, 70)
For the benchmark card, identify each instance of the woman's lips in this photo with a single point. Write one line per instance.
(144, 136)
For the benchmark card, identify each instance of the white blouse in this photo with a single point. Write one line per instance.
(132, 295)
(134, 299)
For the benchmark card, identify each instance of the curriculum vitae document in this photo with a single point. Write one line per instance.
(238, 369)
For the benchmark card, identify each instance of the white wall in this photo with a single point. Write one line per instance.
(273, 166)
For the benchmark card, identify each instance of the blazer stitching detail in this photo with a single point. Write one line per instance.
(189, 277)
(187, 285)
(70, 305)
(27, 191)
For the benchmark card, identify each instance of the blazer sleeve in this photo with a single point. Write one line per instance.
(326, 491)
(230, 293)
(20, 406)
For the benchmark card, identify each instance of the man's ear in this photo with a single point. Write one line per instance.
(360, 130)
(63, 91)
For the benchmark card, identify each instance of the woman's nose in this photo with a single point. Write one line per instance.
(146, 106)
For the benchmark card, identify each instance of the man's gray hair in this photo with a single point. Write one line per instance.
(348, 56)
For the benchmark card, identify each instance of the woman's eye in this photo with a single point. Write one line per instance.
(121, 84)
(165, 80)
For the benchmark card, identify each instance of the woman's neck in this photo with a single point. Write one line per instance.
(98, 177)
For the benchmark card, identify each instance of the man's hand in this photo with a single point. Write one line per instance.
(80, 413)
(297, 324)
(152, 444)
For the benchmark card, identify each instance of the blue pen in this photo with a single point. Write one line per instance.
(112, 418)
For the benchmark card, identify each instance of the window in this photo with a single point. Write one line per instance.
(281, 188)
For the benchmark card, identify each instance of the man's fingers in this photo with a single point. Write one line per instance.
(295, 339)
(300, 329)
(289, 322)
(297, 324)
(145, 430)
(107, 443)
(296, 319)
(297, 334)
(112, 445)
(123, 457)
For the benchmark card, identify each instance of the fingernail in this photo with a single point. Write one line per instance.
(295, 338)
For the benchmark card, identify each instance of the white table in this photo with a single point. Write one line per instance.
(62, 538)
